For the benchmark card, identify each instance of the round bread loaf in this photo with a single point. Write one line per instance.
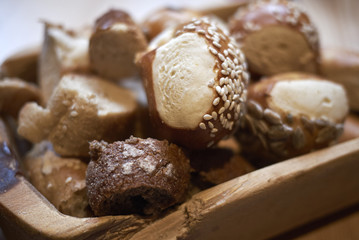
(276, 37)
(196, 85)
(292, 114)
(141, 176)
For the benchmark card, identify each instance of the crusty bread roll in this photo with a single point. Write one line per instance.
(292, 114)
(342, 66)
(22, 64)
(82, 108)
(196, 85)
(14, 93)
(165, 18)
(276, 37)
(63, 51)
(114, 43)
(141, 176)
(60, 180)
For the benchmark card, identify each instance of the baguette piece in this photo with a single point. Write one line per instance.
(276, 37)
(63, 51)
(114, 44)
(60, 180)
(291, 114)
(342, 66)
(82, 108)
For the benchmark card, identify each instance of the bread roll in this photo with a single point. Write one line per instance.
(292, 114)
(82, 108)
(14, 93)
(196, 85)
(165, 18)
(143, 176)
(60, 180)
(276, 37)
(114, 43)
(63, 51)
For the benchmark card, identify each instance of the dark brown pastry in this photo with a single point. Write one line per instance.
(276, 37)
(196, 85)
(141, 176)
(114, 44)
(291, 114)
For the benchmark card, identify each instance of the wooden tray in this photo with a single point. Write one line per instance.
(257, 205)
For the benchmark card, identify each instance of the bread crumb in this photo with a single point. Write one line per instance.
(148, 165)
(127, 168)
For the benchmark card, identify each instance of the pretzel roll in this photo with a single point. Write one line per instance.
(114, 44)
(292, 114)
(276, 37)
(164, 18)
(196, 85)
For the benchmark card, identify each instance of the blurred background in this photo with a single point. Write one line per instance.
(20, 25)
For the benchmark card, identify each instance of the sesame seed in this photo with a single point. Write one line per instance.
(202, 126)
(201, 31)
(225, 53)
(222, 81)
(212, 135)
(214, 130)
(218, 89)
(236, 116)
(210, 125)
(221, 57)
(229, 87)
(214, 116)
(238, 108)
(210, 32)
(235, 60)
(229, 116)
(197, 22)
(216, 101)
(224, 65)
(233, 74)
(213, 51)
(225, 89)
(222, 92)
(216, 44)
(227, 104)
(221, 110)
(235, 97)
(231, 52)
(210, 83)
(74, 114)
(207, 117)
(208, 37)
(190, 27)
(224, 72)
(210, 143)
(232, 106)
(224, 97)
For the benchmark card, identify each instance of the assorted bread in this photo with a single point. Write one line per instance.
(201, 121)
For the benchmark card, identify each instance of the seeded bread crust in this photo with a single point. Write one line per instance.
(229, 89)
(142, 176)
(278, 135)
(276, 37)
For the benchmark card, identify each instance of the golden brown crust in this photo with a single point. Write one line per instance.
(164, 18)
(114, 44)
(276, 16)
(143, 176)
(229, 87)
(14, 93)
